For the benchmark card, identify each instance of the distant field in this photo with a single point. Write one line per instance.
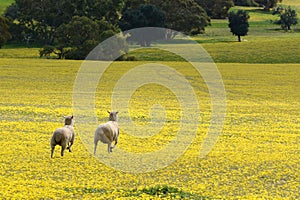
(265, 42)
(256, 49)
(222, 47)
(257, 155)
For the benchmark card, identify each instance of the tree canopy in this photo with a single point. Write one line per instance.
(217, 9)
(268, 4)
(59, 24)
(185, 16)
(81, 33)
(245, 3)
(146, 15)
(288, 17)
(40, 19)
(238, 23)
(181, 15)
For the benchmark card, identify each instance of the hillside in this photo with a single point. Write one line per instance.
(265, 42)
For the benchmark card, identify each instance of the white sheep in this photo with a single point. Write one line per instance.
(108, 132)
(64, 136)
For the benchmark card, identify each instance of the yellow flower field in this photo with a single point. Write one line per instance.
(256, 156)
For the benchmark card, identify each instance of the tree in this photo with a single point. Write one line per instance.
(238, 23)
(216, 9)
(40, 19)
(245, 3)
(146, 15)
(69, 28)
(81, 33)
(288, 17)
(4, 34)
(268, 4)
(185, 16)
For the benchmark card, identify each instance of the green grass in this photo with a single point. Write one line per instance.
(256, 13)
(19, 52)
(257, 49)
(295, 3)
(4, 4)
(223, 48)
(265, 42)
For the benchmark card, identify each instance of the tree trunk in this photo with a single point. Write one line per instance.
(239, 38)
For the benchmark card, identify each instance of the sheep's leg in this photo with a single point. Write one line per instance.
(95, 146)
(63, 147)
(109, 148)
(116, 139)
(69, 147)
(116, 142)
(52, 150)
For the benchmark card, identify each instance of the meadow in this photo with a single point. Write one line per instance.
(256, 155)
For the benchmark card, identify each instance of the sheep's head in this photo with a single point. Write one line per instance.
(113, 116)
(69, 120)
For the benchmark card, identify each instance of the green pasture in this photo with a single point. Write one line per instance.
(279, 48)
(295, 3)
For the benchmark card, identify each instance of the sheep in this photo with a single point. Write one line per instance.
(108, 132)
(64, 136)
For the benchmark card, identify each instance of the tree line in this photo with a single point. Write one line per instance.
(71, 28)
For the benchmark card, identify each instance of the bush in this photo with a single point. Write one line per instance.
(288, 17)
(76, 54)
(46, 51)
(127, 57)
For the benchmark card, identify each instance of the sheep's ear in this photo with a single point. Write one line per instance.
(108, 112)
(117, 112)
(72, 117)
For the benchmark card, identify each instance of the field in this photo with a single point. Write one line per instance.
(255, 157)
(257, 154)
